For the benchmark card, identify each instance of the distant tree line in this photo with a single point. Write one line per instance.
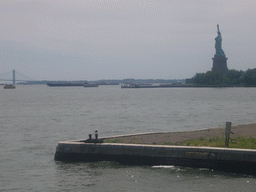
(232, 77)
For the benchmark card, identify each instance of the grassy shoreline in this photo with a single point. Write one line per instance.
(239, 142)
(244, 137)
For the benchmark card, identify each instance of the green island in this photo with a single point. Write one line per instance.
(230, 78)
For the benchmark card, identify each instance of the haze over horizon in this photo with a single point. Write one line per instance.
(119, 39)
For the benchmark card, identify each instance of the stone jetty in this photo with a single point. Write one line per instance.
(225, 159)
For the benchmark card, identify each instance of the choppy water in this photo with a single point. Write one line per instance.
(33, 119)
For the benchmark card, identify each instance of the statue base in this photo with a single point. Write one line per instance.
(220, 63)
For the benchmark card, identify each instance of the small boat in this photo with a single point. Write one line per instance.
(9, 86)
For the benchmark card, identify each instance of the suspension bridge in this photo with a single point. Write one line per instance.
(14, 76)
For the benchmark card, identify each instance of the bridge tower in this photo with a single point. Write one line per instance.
(13, 77)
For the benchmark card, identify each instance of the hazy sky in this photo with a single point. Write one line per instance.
(117, 39)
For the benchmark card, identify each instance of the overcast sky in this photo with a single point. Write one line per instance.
(117, 39)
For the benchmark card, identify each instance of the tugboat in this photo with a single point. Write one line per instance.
(9, 86)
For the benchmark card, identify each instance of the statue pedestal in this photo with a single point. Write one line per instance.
(220, 63)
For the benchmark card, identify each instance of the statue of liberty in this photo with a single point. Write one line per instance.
(218, 40)
(219, 60)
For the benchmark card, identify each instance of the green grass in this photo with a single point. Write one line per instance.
(239, 142)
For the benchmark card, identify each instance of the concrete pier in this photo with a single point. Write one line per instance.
(232, 160)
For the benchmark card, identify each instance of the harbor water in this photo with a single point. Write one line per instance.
(34, 118)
